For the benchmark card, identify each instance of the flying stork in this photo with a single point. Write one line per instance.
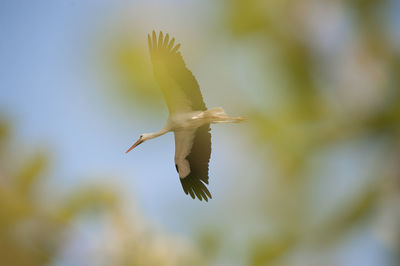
(189, 118)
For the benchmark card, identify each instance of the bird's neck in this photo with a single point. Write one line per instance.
(157, 134)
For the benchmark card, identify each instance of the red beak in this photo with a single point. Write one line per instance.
(134, 145)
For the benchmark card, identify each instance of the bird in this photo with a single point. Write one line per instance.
(188, 119)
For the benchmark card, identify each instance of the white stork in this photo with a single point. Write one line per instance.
(188, 118)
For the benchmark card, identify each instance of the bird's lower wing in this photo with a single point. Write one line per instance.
(193, 149)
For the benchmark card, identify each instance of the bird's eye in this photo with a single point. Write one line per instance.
(141, 136)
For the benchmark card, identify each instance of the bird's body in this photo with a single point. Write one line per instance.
(189, 118)
(195, 119)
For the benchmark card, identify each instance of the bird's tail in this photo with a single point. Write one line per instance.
(230, 119)
(218, 115)
(217, 111)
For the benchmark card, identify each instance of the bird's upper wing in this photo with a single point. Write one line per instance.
(195, 145)
(180, 88)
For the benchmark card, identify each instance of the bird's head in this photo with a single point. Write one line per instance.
(141, 139)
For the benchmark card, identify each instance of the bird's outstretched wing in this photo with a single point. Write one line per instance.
(180, 88)
(195, 145)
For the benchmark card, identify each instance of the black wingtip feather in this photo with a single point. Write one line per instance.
(176, 48)
(166, 40)
(160, 40)
(154, 37)
(196, 188)
(171, 43)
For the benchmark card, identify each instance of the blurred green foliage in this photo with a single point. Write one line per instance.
(305, 123)
(133, 72)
